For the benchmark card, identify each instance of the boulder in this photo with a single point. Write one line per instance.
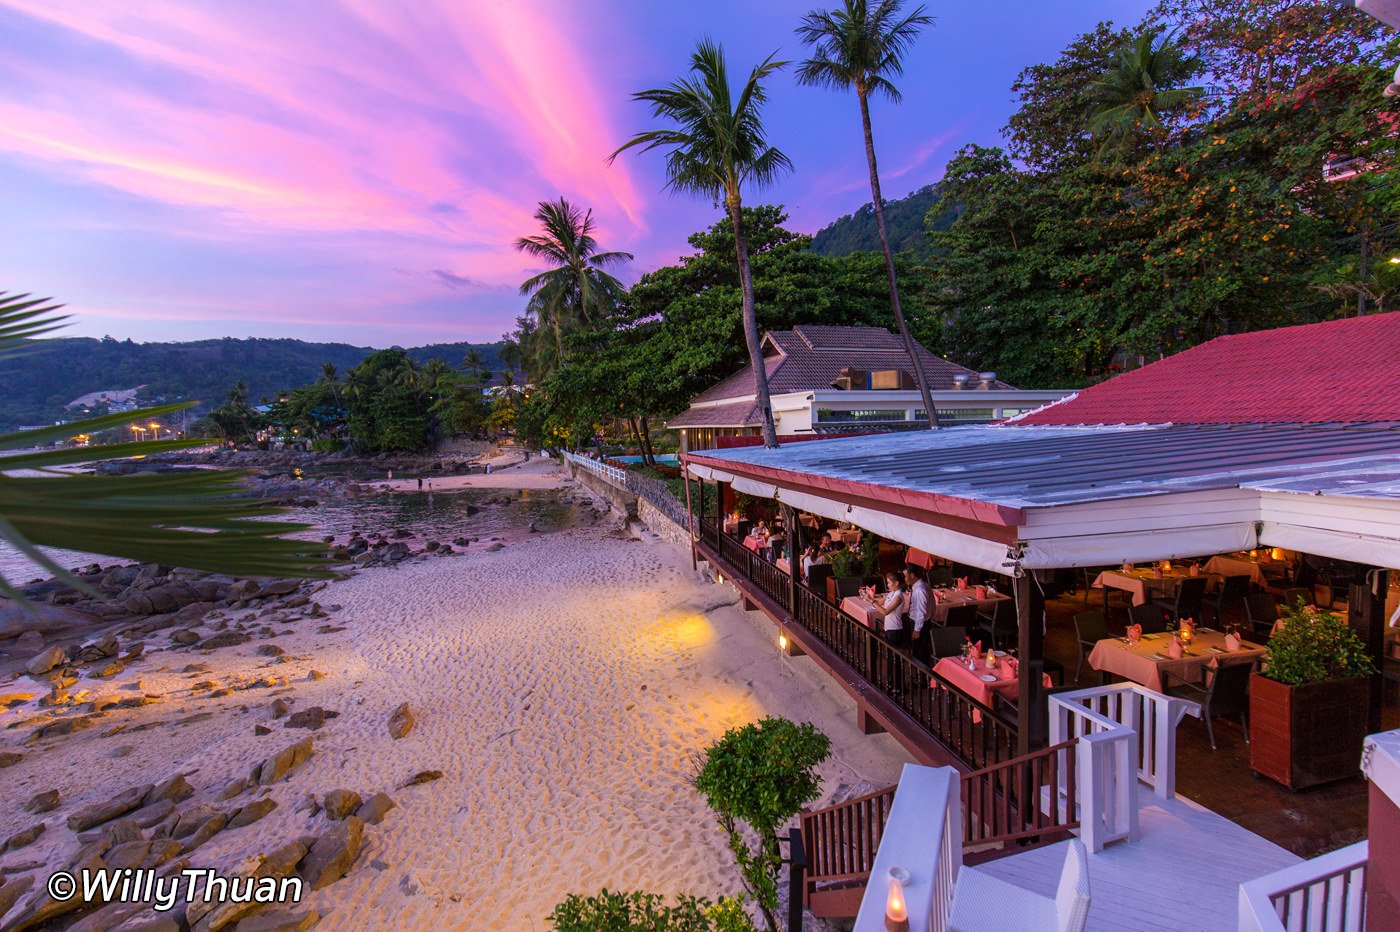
(143, 853)
(118, 805)
(312, 718)
(279, 921)
(51, 657)
(340, 803)
(40, 618)
(282, 763)
(23, 838)
(251, 813)
(244, 590)
(12, 889)
(223, 639)
(47, 801)
(401, 721)
(375, 809)
(9, 759)
(333, 853)
(176, 789)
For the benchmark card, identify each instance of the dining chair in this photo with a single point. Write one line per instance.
(940, 576)
(1225, 691)
(1230, 597)
(817, 575)
(1000, 626)
(1189, 601)
(1292, 597)
(1089, 628)
(1152, 618)
(947, 641)
(1262, 612)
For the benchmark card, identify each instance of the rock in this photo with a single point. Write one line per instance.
(47, 801)
(340, 803)
(185, 822)
(147, 816)
(279, 921)
(495, 547)
(185, 636)
(12, 889)
(43, 908)
(176, 789)
(317, 674)
(422, 776)
(401, 721)
(333, 853)
(281, 763)
(144, 853)
(231, 789)
(206, 830)
(375, 809)
(9, 758)
(270, 650)
(243, 590)
(22, 838)
(251, 813)
(312, 718)
(40, 619)
(224, 639)
(260, 729)
(209, 916)
(277, 708)
(281, 587)
(51, 657)
(118, 805)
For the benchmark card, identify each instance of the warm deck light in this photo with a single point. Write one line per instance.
(896, 909)
(782, 641)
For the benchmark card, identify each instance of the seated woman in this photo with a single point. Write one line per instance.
(811, 557)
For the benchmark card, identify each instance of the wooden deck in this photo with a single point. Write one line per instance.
(1183, 873)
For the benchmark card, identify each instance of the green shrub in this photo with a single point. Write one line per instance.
(1313, 646)
(648, 912)
(327, 445)
(760, 776)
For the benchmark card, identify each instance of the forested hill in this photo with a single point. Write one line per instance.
(35, 385)
(904, 216)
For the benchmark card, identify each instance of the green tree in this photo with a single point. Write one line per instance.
(192, 518)
(862, 47)
(235, 419)
(760, 776)
(387, 408)
(1140, 91)
(716, 144)
(577, 287)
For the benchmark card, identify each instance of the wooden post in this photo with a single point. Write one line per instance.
(719, 517)
(794, 556)
(1367, 617)
(1030, 627)
(690, 513)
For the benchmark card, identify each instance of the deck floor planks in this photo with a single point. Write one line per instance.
(1183, 872)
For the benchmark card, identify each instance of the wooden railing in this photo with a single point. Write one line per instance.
(1151, 714)
(1325, 894)
(841, 840)
(974, 732)
(1028, 799)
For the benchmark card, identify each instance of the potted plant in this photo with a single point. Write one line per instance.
(1308, 707)
(845, 576)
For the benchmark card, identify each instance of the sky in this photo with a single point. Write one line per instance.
(357, 170)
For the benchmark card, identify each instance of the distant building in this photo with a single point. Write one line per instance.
(835, 380)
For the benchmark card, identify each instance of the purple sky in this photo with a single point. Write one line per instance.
(356, 170)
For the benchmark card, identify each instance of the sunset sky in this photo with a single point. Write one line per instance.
(356, 170)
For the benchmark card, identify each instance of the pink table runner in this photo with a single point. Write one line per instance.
(1144, 662)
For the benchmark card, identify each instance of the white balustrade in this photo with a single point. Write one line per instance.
(1150, 714)
(924, 836)
(599, 468)
(1325, 894)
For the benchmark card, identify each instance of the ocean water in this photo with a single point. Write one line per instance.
(439, 516)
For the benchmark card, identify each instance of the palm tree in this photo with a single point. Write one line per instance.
(193, 518)
(716, 144)
(1143, 84)
(862, 47)
(577, 289)
(331, 377)
(474, 363)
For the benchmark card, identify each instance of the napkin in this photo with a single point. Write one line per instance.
(1232, 642)
(1007, 671)
(1174, 649)
(1195, 569)
(977, 651)
(1127, 567)
(962, 582)
(1189, 625)
(1134, 633)
(980, 592)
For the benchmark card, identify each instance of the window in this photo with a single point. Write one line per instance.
(958, 414)
(859, 416)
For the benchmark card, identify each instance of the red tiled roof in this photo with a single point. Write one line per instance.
(811, 356)
(739, 414)
(1341, 371)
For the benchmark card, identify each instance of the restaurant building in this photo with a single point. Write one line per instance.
(833, 380)
(1286, 439)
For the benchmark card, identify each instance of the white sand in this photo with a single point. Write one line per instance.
(509, 471)
(562, 685)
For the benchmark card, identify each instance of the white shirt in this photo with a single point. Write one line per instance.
(894, 616)
(918, 604)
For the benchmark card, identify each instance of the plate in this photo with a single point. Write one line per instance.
(987, 678)
(999, 653)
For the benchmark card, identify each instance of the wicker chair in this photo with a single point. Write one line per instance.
(1089, 628)
(1225, 692)
(1262, 611)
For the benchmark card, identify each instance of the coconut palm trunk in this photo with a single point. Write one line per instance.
(916, 367)
(750, 316)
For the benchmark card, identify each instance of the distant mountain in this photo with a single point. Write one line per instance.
(36, 384)
(904, 216)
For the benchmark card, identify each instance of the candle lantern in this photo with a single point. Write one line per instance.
(896, 908)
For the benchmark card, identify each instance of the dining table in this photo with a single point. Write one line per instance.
(1139, 582)
(1146, 661)
(783, 564)
(979, 681)
(755, 543)
(1226, 565)
(862, 610)
(731, 525)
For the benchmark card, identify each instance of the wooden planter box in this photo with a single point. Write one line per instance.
(1303, 736)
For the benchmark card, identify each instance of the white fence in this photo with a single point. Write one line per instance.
(599, 468)
(1326, 894)
(925, 819)
(1127, 735)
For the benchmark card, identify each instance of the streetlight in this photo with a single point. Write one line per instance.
(155, 429)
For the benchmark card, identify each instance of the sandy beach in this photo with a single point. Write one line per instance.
(561, 685)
